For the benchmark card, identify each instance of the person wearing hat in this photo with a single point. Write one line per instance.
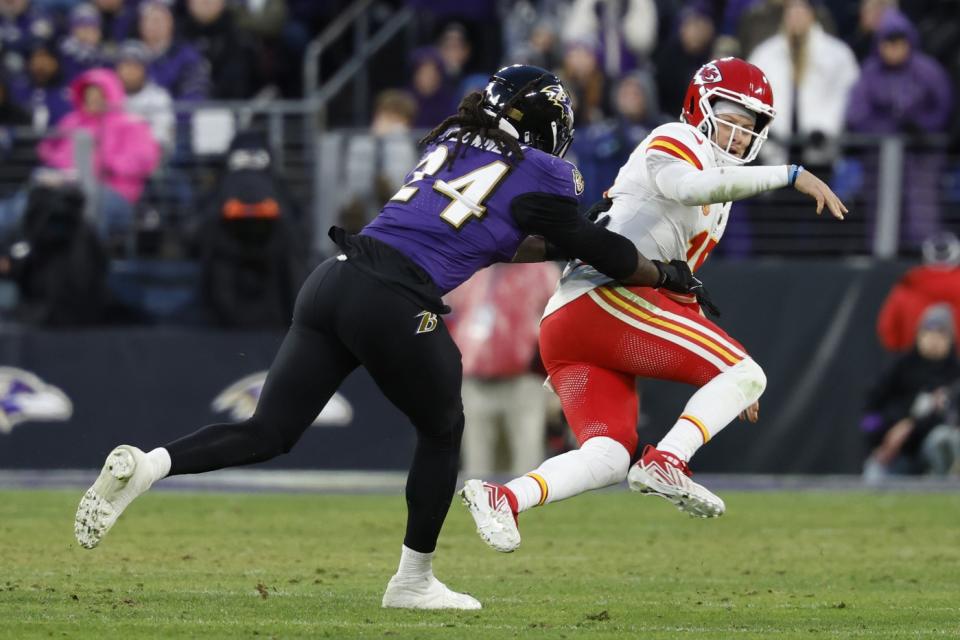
(83, 48)
(907, 420)
(904, 92)
(145, 97)
(937, 280)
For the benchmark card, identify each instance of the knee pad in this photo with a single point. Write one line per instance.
(749, 378)
(607, 459)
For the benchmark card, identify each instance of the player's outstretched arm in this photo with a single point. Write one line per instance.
(690, 186)
(557, 220)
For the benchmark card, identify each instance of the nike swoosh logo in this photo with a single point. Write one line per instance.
(698, 139)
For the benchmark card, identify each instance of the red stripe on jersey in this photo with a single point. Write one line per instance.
(675, 148)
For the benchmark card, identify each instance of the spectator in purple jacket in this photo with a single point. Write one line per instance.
(20, 26)
(433, 95)
(42, 89)
(118, 19)
(176, 65)
(83, 48)
(903, 91)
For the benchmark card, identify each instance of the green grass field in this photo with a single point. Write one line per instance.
(607, 565)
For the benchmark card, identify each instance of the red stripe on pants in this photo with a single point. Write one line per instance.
(593, 359)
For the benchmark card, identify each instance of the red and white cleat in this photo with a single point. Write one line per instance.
(659, 473)
(494, 509)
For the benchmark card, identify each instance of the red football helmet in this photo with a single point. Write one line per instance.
(733, 80)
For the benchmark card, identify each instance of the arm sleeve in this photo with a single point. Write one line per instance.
(557, 219)
(683, 182)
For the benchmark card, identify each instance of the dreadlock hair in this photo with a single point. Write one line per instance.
(475, 124)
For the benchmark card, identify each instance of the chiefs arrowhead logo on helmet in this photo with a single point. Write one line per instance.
(708, 74)
(730, 80)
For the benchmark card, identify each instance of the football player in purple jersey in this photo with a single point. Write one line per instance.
(491, 187)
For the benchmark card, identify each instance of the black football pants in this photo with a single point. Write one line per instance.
(345, 318)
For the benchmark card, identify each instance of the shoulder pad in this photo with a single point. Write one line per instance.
(680, 141)
(553, 174)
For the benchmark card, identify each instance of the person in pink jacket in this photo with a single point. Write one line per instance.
(125, 152)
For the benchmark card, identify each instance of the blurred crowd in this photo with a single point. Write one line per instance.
(911, 422)
(188, 49)
(100, 80)
(90, 88)
(837, 67)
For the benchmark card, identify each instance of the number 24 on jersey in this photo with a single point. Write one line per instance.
(467, 193)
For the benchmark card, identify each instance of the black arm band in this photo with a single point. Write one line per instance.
(557, 219)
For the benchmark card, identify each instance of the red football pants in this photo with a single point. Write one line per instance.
(596, 346)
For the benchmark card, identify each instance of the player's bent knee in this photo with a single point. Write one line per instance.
(607, 459)
(750, 379)
(442, 429)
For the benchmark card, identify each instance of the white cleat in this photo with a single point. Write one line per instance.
(425, 592)
(125, 475)
(661, 474)
(494, 510)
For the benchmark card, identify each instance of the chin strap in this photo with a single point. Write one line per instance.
(502, 123)
(505, 125)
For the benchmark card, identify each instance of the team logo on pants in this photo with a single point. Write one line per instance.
(428, 322)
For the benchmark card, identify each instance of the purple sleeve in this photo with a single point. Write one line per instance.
(858, 105)
(553, 175)
(194, 83)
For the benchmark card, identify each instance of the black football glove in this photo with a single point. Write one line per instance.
(598, 208)
(676, 276)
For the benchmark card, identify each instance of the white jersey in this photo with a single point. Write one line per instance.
(672, 200)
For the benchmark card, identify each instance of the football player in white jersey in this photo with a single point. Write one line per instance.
(672, 199)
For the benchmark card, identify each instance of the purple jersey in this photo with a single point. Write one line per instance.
(454, 222)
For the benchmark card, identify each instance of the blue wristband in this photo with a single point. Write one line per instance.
(794, 172)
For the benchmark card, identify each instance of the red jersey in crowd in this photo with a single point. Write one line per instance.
(919, 288)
